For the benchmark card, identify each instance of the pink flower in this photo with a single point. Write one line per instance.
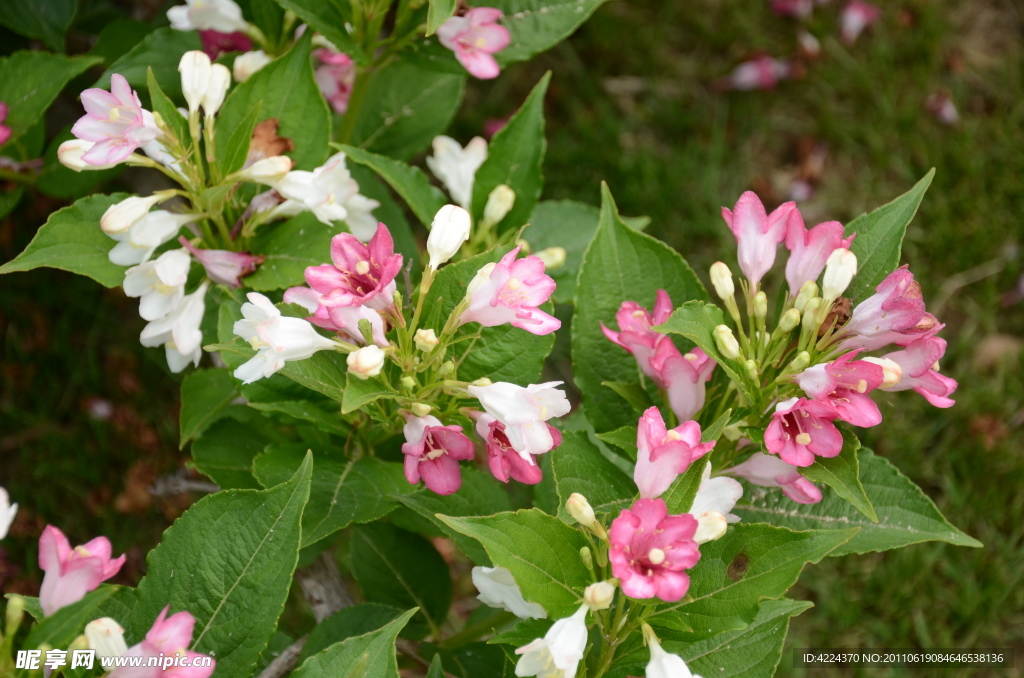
(763, 72)
(115, 121)
(768, 471)
(341, 319)
(894, 314)
(650, 549)
(169, 636)
(5, 131)
(503, 459)
(223, 266)
(795, 8)
(757, 233)
(810, 249)
(335, 76)
(801, 430)
(662, 454)
(941, 105)
(474, 37)
(855, 17)
(432, 452)
(636, 336)
(510, 292)
(685, 378)
(523, 412)
(919, 362)
(845, 384)
(71, 573)
(216, 43)
(361, 274)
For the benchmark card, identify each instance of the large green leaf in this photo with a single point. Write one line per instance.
(880, 239)
(46, 20)
(514, 158)
(328, 17)
(71, 240)
(161, 50)
(362, 392)
(620, 265)
(680, 494)
(60, 628)
(408, 181)
(842, 474)
(291, 96)
(541, 552)
(342, 491)
(204, 395)
(537, 25)
(323, 417)
(224, 452)
(697, 321)
(439, 12)
(905, 513)
(229, 561)
(289, 247)
(566, 224)
(371, 655)
(346, 623)
(579, 466)
(30, 81)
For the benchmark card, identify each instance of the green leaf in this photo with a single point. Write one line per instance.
(289, 247)
(306, 410)
(323, 372)
(579, 466)
(342, 491)
(268, 16)
(524, 632)
(538, 25)
(697, 320)
(161, 50)
(71, 240)
(480, 495)
(905, 513)
(163, 106)
(225, 451)
(681, 493)
(634, 394)
(566, 224)
(346, 623)
(423, 198)
(735, 572)
(237, 149)
(400, 568)
(371, 655)
(46, 20)
(623, 438)
(880, 238)
(30, 81)
(541, 551)
(328, 17)
(514, 158)
(204, 395)
(439, 12)
(229, 561)
(436, 669)
(405, 108)
(619, 265)
(471, 660)
(362, 392)
(66, 624)
(842, 474)
(288, 94)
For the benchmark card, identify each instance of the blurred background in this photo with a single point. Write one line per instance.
(647, 97)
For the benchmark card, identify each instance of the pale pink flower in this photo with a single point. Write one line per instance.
(663, 454)
(475, 37)
(524, 411)
(509, 292)
(801, 430)
(72, 572)
(919, 362)
(115, 121)
(361, 274)
(769, 471)
(432, 452)
(5, 131)
(223, 266)
(638, 338)
(810, 249)
(503, 459)
(844, 384)
(762, 72)
(941, 105)
(169, 636)
(686, 377)
(335, 76)
(650, 549)
(895, 314)
(855, 17)
(341, 319)
(757, 233)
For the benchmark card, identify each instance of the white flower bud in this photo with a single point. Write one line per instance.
(366, 362)
(499, 204)
(553, 257)
(425, 340)
(247, 64)
(751, 369)
(789, 320)
(449, 229)
(726, 342)
(121, 216)
(268, 171)
(580, 509)
(482, 381)
(797, 364)
(710, 526)
(599, 596)
(760, 305)
(106, 637)
(195, 70)
(70, 155)
(891, 370)
(721, 280)
(420, 409)
(810, 319)
(407, 382)
(808, 291)
(220, 80)
(839, 271)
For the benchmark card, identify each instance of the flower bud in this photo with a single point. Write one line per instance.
(587, 558)
(247, 64)
(220, 80)
(448, 231)
(195, 68)
(789, 320)
(499, 204)
(366, 362)
(106, 637)
(482, 381)
(751, 369)
(121, 216)
(810, 319)
(408, 383)
(553, 257)
(70, 155)
(15, 613)
(801, 361)
(726, 342)
(839, 271)
(710, 526)
(808, 291)
(268, 171)
(760, 305)
(425, 340)
(581, 510)
(447, 367)
(891, 370)
(420, 409)
(599, 596)
(721, 280)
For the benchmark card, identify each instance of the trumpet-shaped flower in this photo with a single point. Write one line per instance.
(757, 233)
(7, 512)
(121, 216)
(169, 636)
(498, 589)
(115, 121)
(448, 231)
(716, 495)
(178, 331)
(650, 549)
(637, 336)
(524, 411)
(919, 361)
(810, 249)
(895, 313)
(224, 266)
(276, 338)
(475, 37)
(433, 451)
(70, 573)
(456, 166)
(137, 244)
(361, 274)
(770, 471)
(510, 292)
(331, 194)
(663, 664)
(844, 384)
(801, 430)
(558, 653)
(341, 319)
(686, 377)
(663, 454)
(504, 460)
(159, 284)
(71, 152)
(223, 16)
(335, 76)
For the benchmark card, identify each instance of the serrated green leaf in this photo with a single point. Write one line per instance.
(679, 496)
(30, 81)
(66, 624)
(224, 452)
(423, 198)
(371, 655)
(161, 50)
(46, 20)
(289, 247)
(842, 474)
(204, 395)
(623, 438)
(697, 320)
(439, 12)
(362, 392)
(306, 410)
(538, 25)
(632, 393)
(579, 466)
(346, 623)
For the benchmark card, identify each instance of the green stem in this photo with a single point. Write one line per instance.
(355, 103)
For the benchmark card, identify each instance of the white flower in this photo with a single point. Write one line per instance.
(106, 637)
(160, 283)
(277, 339)
(366, 362)
(138, 243)
(524, 412)
(121, 216)
(448, 231)
(7, 512)
(716, 495)
(499, 204)
(247, 64)
(498, 589)
(839, 271)
(558, 653)
(331, 194)
(179, 332)
(70, 155)
(195, 69)
(223, 16)
(216, 89)
(456, 166)
(663, 664)
(270, 171)
(157, 151)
